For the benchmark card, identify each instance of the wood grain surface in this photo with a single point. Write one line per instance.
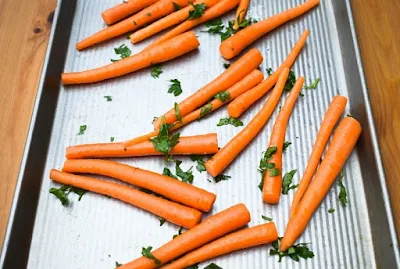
(24, 31)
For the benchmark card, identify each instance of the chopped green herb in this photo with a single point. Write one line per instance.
(348, 115)
(156, 71)
(123, 51)
(162, 221)
(214, 26)
(269, 71)
(266, 165)
(178, 234)
(108, 98)
(295, 252)
(343, 193)
(291, 80)
(212, 266)
(117, 264)
(82, 129)
(266, 218)
(313, 85)
(175, 88)
(331, 210)
(187, 176)
(167, 172)
(200, 162)
(177, 112)
(226, 66)
(230, 121)
(221, 177)
(77, 191)
(223, 96)
(193, 267)
(205, 110)
(198, 11)
(112, 139)
(274, 172)
(61, 195)
(63, 191)
(146, 252)
(286, 145)
(287, 181)
(176, 6)
(163, 142)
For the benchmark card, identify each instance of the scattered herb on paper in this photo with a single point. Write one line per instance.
(221, 177)
(294, 252)
(187, 176)
(108, 98)
(162, 221)
(112, 139)
(313, 85)
(212, 266)
(269, 71)
(117, 264)
(286, 145)
(177, 112)
(146, 252)
(156, 71)
(82, 129)
(198, 10)
(178, 234)
(291, 80)
(200, 162)
(331, 210)
(63, 192)
(343, 192)
(230, 121)
(123, 51)
(163, 142)
(266, 218)
(175, 88)
(226, 65)
(287, 182)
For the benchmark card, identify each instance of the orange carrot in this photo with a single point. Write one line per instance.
(222, 7)
(332, 116)
(236, 43)
(243, 102)
(210, 229)
(146, 16)
(273, 182)
(166, 51)
(125, 9)
(175, 213)
(343, 143)
(228, 153)
(238, 70)
(240, 13)
(168, 187)
(237, 89)
(246, 238)
(198, 144)
(168, 21)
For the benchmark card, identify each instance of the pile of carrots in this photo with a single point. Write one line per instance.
(242, 84)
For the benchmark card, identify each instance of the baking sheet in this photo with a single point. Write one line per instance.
(98, 231)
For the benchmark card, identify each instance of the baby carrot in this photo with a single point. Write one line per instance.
(246, 238)
(175, 213)
(210, 229)
(123, 10)
(168, 187)
(166, 51)
(236, 43)
(339, 150)
(273, 182)
(244, 101)
(230, 151)
(196, 145)
(332, 116)
(240, 13)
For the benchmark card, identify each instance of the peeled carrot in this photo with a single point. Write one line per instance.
(228, 153)
(198, 144)
(168, 21)
(222, 7)
(125, 9)
(237, 89)
(240, 13)
(339, 150)
(175, 213)
(146, 16)
(236, 43)
(273, 184)
(166, 51)
(332, 116)
(244, 101)
(246, 238)
(210, 229)
(168, 187)
(238, 70)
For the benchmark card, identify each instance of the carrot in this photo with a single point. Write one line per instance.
(237, 89)
(243, 102)
(240, 13)
(123, 10)
(168, 187)
(168, 21)
(175, 213)
(222, 7)
(198, 144)
(236, 43)
(343, 143)
(228, 153)
(238, 70)
(273, 182)
(210, 229)
(332, 116)
(246, 238)
(146, 16)
(166, 51)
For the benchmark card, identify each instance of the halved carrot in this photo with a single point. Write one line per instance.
(166, 51)
(243, 102)
(168, 187)
(210, 229)
(237, 89)
(339, 150)
(273, 183)
(222, 7)
(238, 70)
(168, 21)
(230, 151)
(332, 116)
(155, 11)
(175, 213)
(240, 13)
(246, 238)
(236, 43)
(197, 144)
(125, 9)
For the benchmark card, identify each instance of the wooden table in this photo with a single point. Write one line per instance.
(25, 28)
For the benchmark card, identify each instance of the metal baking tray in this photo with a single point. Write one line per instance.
(97, 231)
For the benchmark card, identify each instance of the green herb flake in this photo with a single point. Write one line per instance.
(313, 85)
(117, 264)
(177, 112)
(82, 129)
(163, 142)
(269, 71)
(187, 176)
(286, 145)
(61, 195)
(212, 266)
(168, 173)
(108, 98)
(200, 162)
(146, 252)
(205, 110)
(226, 65)
(291, 80)
(274, 172)
(162, 221)
(230, 121)
(175, 88)
(214, 26)
(221, 177)
(123, 51)
(178, 234)
(331, 210)
(198, 11)
(217, 27)
(343, 192)
(287, 182)
(112, 139)
(193, 267)
(266, 165)
(266, 218)
(80, 192)
(294, 252)
(223, 96)
(156, 71)
(63, 192)
(176, 6)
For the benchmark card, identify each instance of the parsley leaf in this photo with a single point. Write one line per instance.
(163, 142)
(266, 218)
(176, 6)
(123, 51)
(108, 98)
(198, 11)
(313, 85)
(343, 193)
(146, 252)
(167, 172)
(77, 191)
(291, 80)
(175, 88)
(231, 121)
(177, 112)
(226, 65)
(187, 176)
(294, 252)
(287, 181)
(217, 27)
(63, 191)
(214, 26)
(117, 264)
(61, 195)
(212, 266)
(266, 165)
(331, 210)
(82, 129)
(200, 162)
(221, 177)
(178, 234)
(162, 221)
(112, 139)
(156, 71)
(269, 71)
(205, 110)
(223, 96)
(286, 145)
